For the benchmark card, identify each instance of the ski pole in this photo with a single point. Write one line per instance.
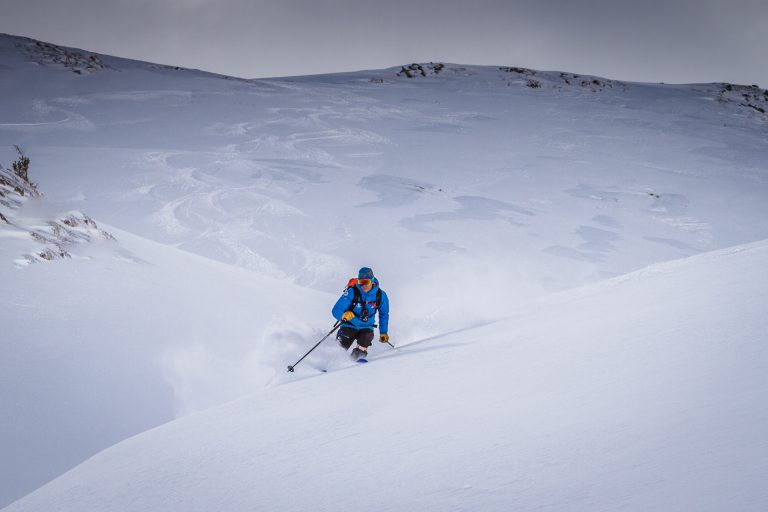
(335, 326)
(391, 345)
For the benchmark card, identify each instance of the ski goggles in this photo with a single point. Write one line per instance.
(364, 282)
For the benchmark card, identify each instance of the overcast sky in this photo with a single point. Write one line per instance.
(639, 40)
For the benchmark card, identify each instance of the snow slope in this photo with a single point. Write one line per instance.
(470, 190)
(127, 335)
(659, 405)
(578, 179)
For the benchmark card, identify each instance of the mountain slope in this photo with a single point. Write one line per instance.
(580, 178)
(125, 335)
(471, 190)
(640, 393)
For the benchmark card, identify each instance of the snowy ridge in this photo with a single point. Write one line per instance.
(78, 61)
(654, 407)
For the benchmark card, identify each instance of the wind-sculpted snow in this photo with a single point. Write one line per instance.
(472, 208)
(470, 191)
(233, 169)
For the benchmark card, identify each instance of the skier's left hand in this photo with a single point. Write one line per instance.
(384, 338)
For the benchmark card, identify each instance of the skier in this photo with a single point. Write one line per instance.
(356, 309)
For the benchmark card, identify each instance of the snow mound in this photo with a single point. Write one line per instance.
(644, 392)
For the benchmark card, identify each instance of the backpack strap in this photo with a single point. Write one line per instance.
(356, 297)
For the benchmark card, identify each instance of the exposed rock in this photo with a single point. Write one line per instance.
(748, 96)
(533, 84)
(523, 76)
(46, 54)
(414, 70)
(520, 71)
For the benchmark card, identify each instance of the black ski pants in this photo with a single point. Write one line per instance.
(348, 335)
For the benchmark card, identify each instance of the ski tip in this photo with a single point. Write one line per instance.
(362, 360)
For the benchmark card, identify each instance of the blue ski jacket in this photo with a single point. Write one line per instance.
(369, 302)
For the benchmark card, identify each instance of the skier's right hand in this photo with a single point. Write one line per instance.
(347, 316)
